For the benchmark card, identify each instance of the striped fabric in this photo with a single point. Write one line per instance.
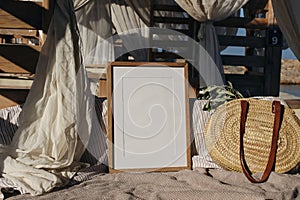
(105, 114)
(9, 123)
(201, 157)
(96, 152)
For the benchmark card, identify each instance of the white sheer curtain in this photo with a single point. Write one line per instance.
(58, 116)
(95, 26)
(131, 19)
(287, 13)
(208, 11)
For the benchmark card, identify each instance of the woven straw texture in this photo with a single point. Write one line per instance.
(222, 137)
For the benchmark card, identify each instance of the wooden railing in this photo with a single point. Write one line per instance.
(262, 32)
(23, 28)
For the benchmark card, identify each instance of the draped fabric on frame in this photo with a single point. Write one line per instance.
(206, 12)
(58, 115)
(288, 18)
(96, 30)
(95, 26)
(211, 10)
(131, 20)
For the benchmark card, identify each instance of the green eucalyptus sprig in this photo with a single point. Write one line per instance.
(217, 95)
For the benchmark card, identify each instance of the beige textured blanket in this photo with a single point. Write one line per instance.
(198, 184)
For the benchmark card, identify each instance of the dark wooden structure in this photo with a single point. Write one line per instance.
(263, 46)
(262, 76)
(23, 28)
(22, 35)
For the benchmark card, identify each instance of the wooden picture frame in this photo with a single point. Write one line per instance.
(148, 116)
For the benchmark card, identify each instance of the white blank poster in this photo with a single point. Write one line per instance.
(149, 111)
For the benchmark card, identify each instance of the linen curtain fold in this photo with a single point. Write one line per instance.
(288, 18)
(58, 115)
(131, 20)
(95, 27)
(206, 12)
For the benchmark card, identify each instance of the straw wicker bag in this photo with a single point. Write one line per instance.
(250, 135)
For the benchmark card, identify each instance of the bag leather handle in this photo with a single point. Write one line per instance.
(276, 108)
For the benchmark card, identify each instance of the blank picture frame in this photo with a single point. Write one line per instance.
(148, 116)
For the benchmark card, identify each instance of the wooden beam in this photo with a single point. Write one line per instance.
(246, 41)
(293, 103)
(48, 6)
(272, 70)
(270, 14)
(175, 32)
(11, 83)
(171, 43)
(171, 20)
(249, 61)
(12, 97)
(248, 85)
(16, 58)
(173, 8)
(241, 22)
(21, 14)
(102, 91)
(19, 32)
(165, 55)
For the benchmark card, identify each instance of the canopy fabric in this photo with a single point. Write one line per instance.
(209, 61)
(131, 20)
(211, 10)
(95, 27)
(208, 11)
(288, 18)
(96, 30)
(58, 115)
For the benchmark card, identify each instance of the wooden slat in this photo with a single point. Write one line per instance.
(159, 31)
(272, 71)
(240, 22)
(102, 92)
(170, 43)
(18, 58)
(48, 6)
(6, 102)
(248, 85)
(25, 76)
(11, 83)
(293, 103)
(171, 20)
(19, 32)
(11, 97)
(184, 31)
(165, 55)
(249, 61)
(246, 41)
(21, 14)
(173, 8)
